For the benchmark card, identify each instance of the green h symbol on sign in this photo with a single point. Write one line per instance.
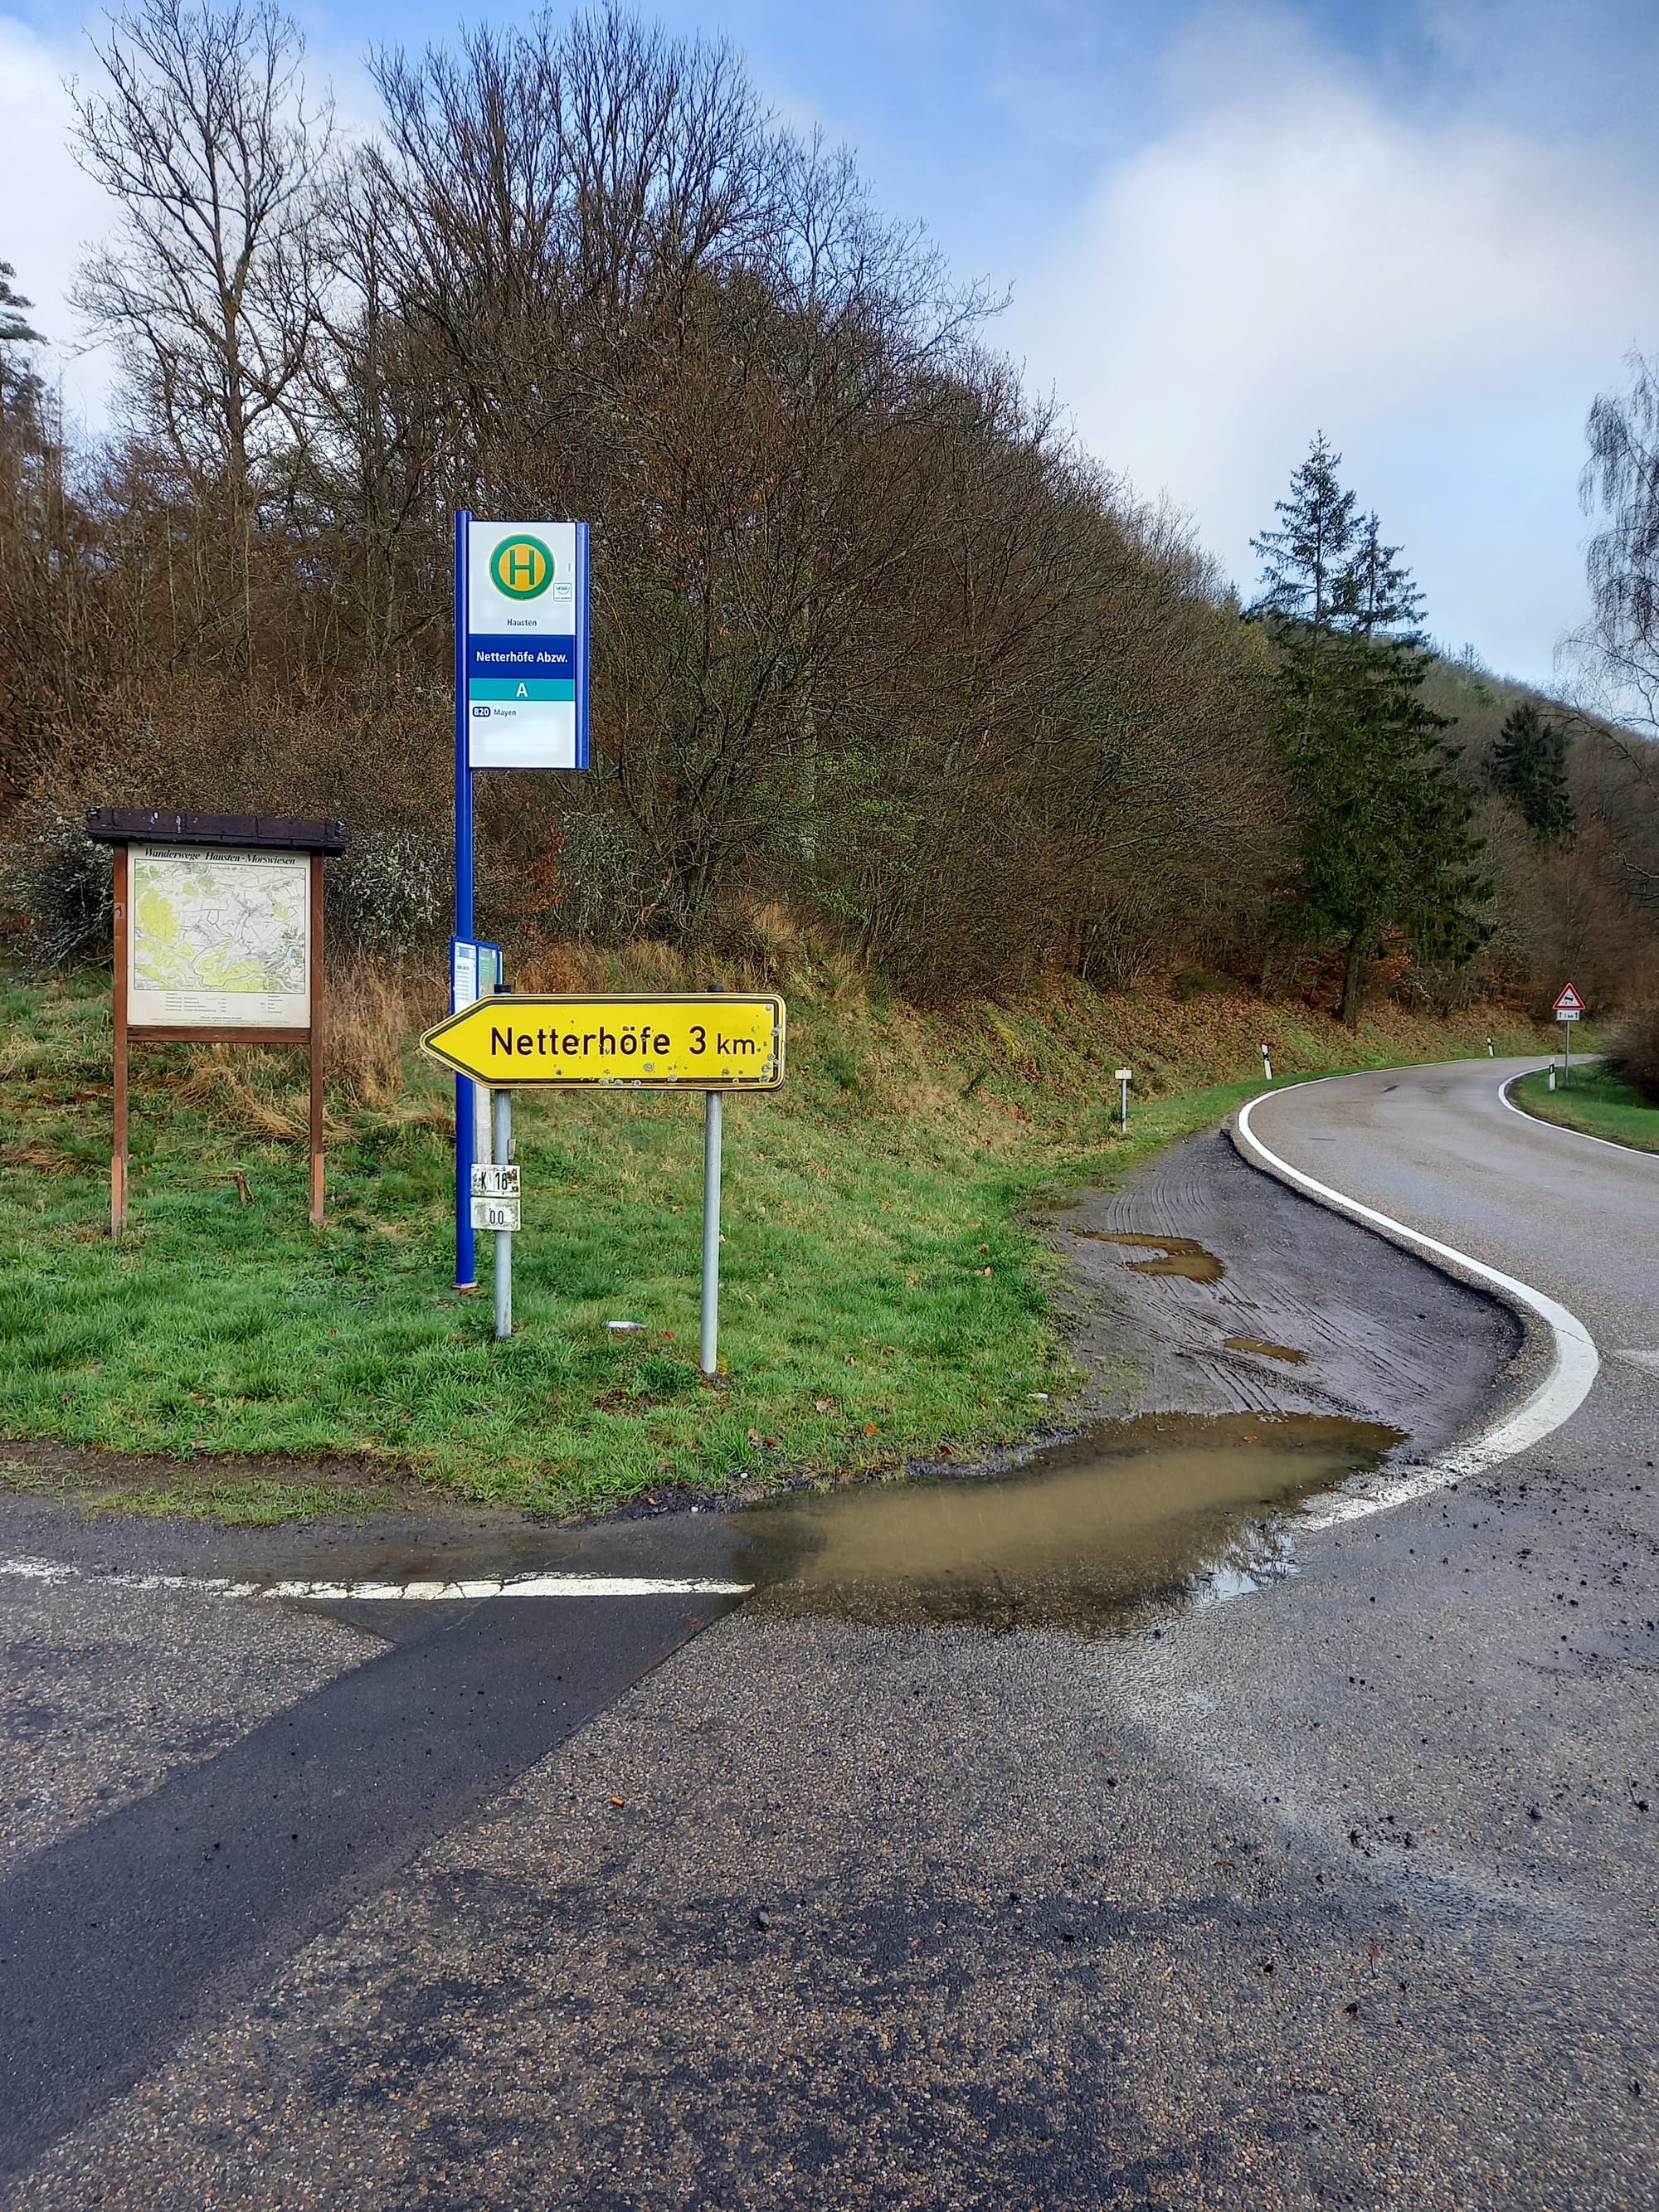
(522, 568)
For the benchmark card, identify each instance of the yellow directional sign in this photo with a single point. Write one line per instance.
(712, 1041)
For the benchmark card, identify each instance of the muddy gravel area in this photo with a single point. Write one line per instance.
(1202, 1287)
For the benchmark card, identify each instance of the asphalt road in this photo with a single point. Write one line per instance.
(1439, 1149)
(1341, 1893)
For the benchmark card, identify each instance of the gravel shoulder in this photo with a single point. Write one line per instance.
(1381, 1335)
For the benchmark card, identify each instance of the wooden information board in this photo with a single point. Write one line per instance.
(218, 940)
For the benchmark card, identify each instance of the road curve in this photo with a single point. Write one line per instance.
(1543, 1391)
(1566, 1229)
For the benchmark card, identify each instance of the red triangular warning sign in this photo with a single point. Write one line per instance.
(1569, 1002)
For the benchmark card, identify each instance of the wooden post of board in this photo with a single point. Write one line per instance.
(118, 1163)
(316, 1038)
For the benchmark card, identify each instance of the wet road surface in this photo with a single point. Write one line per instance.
(1341, 1892)
(1438, 1148)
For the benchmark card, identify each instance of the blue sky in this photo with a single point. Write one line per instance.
(1430, 227)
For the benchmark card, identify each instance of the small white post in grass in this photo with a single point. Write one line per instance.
(1267, 1061)
(1490, 1054)
(1124, 1079)
(1552, 1075)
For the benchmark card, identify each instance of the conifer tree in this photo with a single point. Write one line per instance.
(20, 385)
(1530, 770)
(1384, 842)
(1305, 561)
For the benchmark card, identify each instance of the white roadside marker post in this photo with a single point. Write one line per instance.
(712, 1105)
(1552, 1075)
(1266, 1063)
(1124, 1079)
(1490, 1054)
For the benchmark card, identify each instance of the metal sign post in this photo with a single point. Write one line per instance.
(522, 694)
(501, 1132)
(466, 1268)
(475, 973)
(1568, 1008)
(1124, 1079)
(713, 1042)
(495, 1205)
(710, 1342)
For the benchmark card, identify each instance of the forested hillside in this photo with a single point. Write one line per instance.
(875, 643)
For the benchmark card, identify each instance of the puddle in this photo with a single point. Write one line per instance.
(1287, 1353)
(1169, 1507)
(1178, 1255)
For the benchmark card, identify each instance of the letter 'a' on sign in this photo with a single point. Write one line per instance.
(719, 1040)
(521, 670)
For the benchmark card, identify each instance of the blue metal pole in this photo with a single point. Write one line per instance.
(466, 1266)
(581, 645)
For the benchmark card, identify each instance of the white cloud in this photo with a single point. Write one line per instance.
(1442, 302)
(49, 210)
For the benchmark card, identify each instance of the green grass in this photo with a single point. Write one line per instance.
(885, 1283)
(1599, 1105)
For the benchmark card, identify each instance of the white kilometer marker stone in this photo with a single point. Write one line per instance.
(530, 1585)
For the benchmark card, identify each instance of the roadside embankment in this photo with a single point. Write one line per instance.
(1594, 1104)
(887, 1292)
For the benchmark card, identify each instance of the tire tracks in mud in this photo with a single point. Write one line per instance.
(1386, 1336)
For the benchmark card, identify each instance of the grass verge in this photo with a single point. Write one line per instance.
(886, 1284)
(1597, 1105)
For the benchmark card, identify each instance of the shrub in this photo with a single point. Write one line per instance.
(58, 882)
(389, 896)
(1633, 1055)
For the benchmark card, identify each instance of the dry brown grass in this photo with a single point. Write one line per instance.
(1003, 1069)
(373, 1017)
(566, 967)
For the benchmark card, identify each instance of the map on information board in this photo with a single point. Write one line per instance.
(218, 939)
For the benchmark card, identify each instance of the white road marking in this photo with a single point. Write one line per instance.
(527, 1585)
(1538, 1122)
(1563, 1390)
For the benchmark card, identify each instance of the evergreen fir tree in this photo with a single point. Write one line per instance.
(1375, 593)
(1530, 770)
(1304, 562)
(20, 386)
(1385, 837)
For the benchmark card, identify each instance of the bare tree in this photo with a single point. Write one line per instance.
(205, 136)
(1620, 489)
